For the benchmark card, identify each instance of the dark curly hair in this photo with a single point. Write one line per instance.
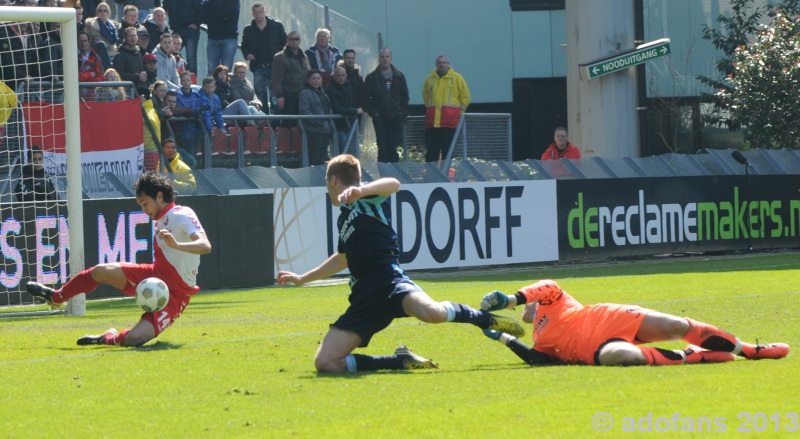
(151, 183)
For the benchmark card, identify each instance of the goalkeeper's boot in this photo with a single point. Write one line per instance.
(96, 339)
(42, 292)
(696, 354)
(494, 335)
(507, 325)
(758, 352)
(412, 360)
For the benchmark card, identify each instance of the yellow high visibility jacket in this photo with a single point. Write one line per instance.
(445, 98)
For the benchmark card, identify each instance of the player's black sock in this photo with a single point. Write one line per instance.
(467, 314)
(369, 362)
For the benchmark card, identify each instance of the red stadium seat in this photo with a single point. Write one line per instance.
(288, 155)
(297, 141)
(256, 146)
(225, 147)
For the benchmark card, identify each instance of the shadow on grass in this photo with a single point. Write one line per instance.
(366, 374)
(157, 346)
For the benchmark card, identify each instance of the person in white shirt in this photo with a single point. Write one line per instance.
(178, 243)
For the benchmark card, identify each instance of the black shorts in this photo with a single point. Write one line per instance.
(371, 310)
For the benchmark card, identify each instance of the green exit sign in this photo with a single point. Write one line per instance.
(639, 55)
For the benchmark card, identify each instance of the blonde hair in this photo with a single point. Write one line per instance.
(346, 168)
(240, 65)
(121, 90)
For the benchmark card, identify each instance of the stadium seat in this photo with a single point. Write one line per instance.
(225, 147)
(256, 146)
(288, 156)
(297, 141)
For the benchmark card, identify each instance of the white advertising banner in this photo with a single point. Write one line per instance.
(438, 226)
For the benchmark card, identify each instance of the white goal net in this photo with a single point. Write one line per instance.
(40, 180)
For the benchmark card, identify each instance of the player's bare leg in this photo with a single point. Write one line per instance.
(655, 327)
(334, 356)
(334, 349)
(711, 340)
(110, 274)
(84, 282)
(140, 334)
(658, 326)
(622, 353)
(421, 306)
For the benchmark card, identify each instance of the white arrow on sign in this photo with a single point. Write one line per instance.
(595, 70)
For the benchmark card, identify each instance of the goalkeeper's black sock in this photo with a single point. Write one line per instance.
(460, 313)
(361, 363)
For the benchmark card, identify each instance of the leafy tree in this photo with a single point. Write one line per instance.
(733, 38)
(763, 91)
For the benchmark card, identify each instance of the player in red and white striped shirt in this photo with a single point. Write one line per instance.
(179, 241)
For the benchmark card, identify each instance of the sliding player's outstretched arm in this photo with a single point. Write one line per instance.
(523, 351)
(334, 264)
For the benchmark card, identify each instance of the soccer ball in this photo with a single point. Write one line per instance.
(152, 294)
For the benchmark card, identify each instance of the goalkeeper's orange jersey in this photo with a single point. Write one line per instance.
(572, 333)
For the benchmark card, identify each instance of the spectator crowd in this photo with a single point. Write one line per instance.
(153, 45)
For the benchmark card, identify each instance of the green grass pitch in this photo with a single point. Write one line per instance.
(240, 364)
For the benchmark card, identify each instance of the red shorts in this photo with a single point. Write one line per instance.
(604, 322)
(160, 320)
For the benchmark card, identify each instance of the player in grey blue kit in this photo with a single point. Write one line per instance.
(379, 290)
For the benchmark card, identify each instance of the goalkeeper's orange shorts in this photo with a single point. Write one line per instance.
(604, 322)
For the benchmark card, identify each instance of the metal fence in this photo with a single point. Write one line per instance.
(483, 136)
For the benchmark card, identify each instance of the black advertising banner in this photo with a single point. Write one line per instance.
(238, 227)
(651, 216)
(36, 242)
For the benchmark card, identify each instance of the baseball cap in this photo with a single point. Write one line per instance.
(143, 32)
(149, 58)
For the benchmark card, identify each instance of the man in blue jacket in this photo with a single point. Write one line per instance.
(190, 100)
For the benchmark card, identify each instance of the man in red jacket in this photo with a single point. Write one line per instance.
(90, 68)
(561, 148)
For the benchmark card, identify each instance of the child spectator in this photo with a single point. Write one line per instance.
(110, 94)
(211, 107)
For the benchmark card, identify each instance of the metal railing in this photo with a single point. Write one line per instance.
(485, 136)
(270, 121)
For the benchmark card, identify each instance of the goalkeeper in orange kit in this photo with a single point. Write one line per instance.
(564, 331)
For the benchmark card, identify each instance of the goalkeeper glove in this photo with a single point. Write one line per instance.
(494, 301)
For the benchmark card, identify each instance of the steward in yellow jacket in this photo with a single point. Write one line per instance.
(446, 96)
(182, 177)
